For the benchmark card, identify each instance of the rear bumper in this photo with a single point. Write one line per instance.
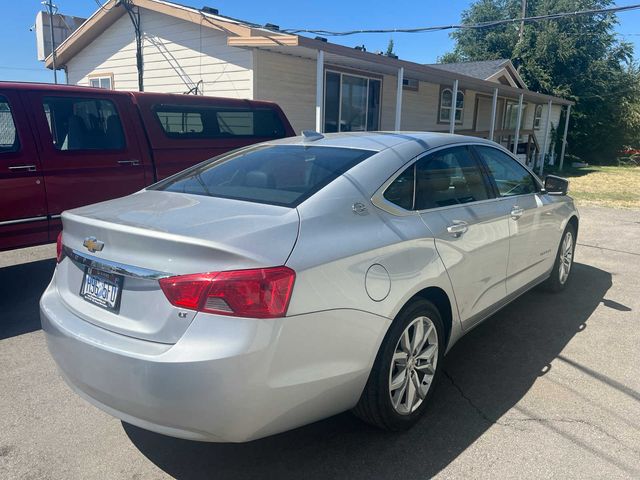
(227, 379)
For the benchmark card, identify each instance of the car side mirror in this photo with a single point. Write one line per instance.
(554, 185)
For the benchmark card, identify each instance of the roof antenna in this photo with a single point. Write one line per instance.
(311, 135)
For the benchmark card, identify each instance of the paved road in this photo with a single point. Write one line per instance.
(547, 388)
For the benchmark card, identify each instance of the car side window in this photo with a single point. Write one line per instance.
(449, 177)
(83, 123)
(511, 178)
(400, 191)
(9, 141)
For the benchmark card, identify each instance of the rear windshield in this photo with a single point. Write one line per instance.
(278, 174)
(204, 122)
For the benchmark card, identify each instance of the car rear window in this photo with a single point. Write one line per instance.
(193, 122)
(282, 175)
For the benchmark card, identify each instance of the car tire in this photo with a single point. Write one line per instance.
(562, 267)
(383, 403)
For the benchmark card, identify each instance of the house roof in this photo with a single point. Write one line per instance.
(483, 69)
(249, 35)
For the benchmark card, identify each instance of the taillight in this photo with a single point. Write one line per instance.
(59, 250)
(257, 293)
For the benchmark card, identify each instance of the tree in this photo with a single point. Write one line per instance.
(578, 58)
(390, 51)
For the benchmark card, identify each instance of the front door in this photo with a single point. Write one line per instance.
(23, 206)
(456, 203)
(90, 152)
(533, 233)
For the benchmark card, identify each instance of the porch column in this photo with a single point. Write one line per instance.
(518, 122)
(399, 99)
(494, 108)
(564, 136)
(454, 102)
(547, 128)
(319, 89)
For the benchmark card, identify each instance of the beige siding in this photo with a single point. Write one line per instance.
(177, 54)
(291, 83)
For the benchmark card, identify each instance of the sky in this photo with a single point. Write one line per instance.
(18, 46)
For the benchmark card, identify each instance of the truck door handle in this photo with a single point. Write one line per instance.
(516, 212)
(129, 162)
(28, 168)
(458, 228)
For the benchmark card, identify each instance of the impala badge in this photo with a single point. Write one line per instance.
(93, 244)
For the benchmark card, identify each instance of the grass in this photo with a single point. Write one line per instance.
(616, 187)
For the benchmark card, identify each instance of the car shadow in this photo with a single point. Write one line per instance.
(486, 374)
(20, 289)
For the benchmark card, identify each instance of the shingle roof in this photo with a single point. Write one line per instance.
(481, 70)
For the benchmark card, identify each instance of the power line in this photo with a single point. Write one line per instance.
(476, 26)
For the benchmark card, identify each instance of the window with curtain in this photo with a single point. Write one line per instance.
(351, 103)
(446, 100)
(537, 118)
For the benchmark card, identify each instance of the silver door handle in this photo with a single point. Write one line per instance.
(458, 228)
(129, 162)
(516, 212)
(28, 168)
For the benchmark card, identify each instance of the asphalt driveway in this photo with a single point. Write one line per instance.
(547, 388)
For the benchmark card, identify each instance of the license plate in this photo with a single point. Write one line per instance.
(102, 289)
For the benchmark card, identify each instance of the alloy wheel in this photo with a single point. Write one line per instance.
(413, 365)
(566, 257)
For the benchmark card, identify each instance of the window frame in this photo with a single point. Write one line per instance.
(17, 143)
(379, 200)
(491, 178)
(351, 73)
(444, 89)
(101, 76)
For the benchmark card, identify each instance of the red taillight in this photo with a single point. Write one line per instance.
(259, 293)
(59, 251)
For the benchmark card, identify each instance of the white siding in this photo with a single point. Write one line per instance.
(291, 83)
(177, 54)
(555, 119)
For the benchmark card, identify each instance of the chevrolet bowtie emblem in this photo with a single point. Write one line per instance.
(93, 244)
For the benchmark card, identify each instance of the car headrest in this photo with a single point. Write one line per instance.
(259, 179)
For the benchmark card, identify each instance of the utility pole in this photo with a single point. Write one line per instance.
(522, 15)
(50, 8)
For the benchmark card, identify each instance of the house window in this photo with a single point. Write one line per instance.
(351, 103)
(102, 82)
(446, 99)
(410, 84)
(511, 115)
(537, 118)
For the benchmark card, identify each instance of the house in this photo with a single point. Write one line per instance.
(320, 85)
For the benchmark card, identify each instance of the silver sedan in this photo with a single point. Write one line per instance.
(293, 280)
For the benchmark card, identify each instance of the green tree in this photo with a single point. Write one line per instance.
(390, 51)
(578, 58)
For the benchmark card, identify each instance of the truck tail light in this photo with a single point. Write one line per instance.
(256, 293)
(59, 250)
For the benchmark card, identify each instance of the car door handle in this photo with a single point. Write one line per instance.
(517, 212)
(458, 228)
(28, 168)
(129, 162)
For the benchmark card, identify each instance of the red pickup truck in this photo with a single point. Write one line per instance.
(64, 146)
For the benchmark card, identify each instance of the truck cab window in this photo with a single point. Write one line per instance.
(8, 136)
(83, 124)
